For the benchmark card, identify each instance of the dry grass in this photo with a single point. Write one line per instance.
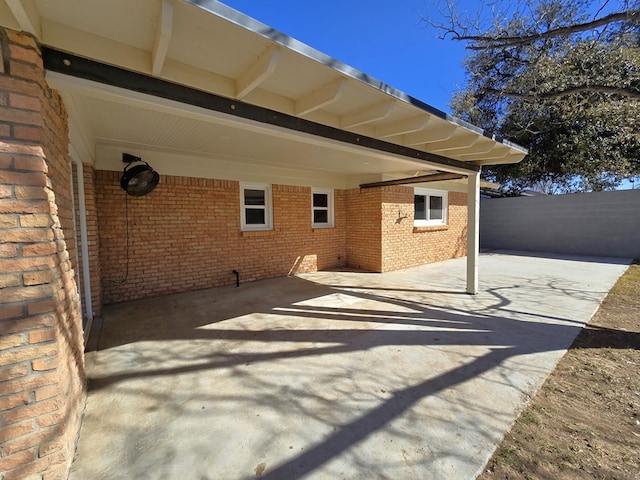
(584, 423)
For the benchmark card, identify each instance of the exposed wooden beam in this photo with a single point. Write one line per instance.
(483, 153)
(258, 72)
(325, 95)
(368, 115)
(26, 15)
(433, 177)
(483, 146)
(408, 125)
(493, 158)
(459, 142)
(510, 157)
(163, 37)
(430, 135)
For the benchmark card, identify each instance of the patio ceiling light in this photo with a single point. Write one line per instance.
(140, 179)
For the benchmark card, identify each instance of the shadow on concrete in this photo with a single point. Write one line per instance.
(401, 317)
(558, 256)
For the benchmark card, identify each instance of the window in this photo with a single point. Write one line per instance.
(255, 207)
(430, 207)
(321, 208)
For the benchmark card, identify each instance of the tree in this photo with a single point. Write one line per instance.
(560, 81)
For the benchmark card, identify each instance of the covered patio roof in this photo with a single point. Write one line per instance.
(307, 112)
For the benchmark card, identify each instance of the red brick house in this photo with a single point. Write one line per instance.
(272, 159)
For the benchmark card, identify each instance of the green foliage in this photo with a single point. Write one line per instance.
(572, 99)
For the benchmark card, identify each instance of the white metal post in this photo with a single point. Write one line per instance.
(84, 242)
(473, 231)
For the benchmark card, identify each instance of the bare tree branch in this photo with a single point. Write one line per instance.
(558, 79)
(629, 92)
(486, 42)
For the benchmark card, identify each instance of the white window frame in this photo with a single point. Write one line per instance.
(329, 208)
(268, 207)
(426, 192)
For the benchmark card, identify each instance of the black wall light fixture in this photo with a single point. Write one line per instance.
(139, 179)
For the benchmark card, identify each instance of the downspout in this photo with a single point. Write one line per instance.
(73, 218)
(84, 243)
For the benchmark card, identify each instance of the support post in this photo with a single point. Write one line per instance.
(473, 231)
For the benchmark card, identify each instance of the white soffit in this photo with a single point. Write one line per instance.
(138, 123)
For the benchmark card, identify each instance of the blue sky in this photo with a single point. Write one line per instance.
(383, 38)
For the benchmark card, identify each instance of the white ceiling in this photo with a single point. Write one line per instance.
(221, 51)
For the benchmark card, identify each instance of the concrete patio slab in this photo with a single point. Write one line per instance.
(332, 375)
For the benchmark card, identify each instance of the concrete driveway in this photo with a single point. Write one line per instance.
(332, 375)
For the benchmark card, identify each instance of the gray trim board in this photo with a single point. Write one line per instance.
(433, 177)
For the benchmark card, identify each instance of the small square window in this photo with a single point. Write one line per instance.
(430, 207)
(255, 205)
(322, 208)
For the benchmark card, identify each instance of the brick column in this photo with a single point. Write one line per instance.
(364, 228)
(41, 359)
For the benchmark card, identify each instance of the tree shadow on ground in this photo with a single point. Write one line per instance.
(367, 319)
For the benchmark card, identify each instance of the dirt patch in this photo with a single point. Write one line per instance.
(584, 423)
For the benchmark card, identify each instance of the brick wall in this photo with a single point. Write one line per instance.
(381, 236)
(364, 233)
(406, 246)
(185, 235)
(41, 362)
